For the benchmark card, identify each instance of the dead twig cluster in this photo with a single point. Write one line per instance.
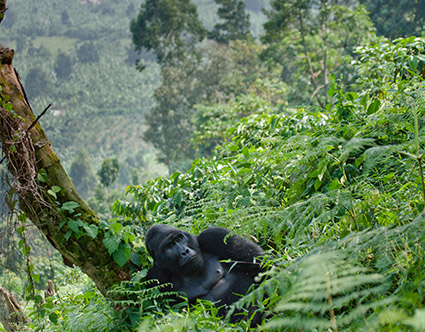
(19, 151)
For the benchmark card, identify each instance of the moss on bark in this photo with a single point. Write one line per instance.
(32, 152)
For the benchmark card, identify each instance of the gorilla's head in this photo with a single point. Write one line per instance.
(174, 250)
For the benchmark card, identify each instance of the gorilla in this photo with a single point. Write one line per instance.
(194, 264)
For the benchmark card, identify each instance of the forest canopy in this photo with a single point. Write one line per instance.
(296, 124)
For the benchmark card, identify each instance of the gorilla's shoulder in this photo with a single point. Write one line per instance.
(219, 242)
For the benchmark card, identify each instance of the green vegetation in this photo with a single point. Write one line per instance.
(309, 140)
(336, 195)
(79, 58)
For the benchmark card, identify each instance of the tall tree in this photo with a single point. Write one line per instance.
(108, 171)
(191, 74)
(225, 72)
(170, 28)
(397, 18)
(312, 39)
(234, 22)
(46, 195)
(63, 66)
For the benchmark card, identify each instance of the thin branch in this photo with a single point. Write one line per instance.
(315, 92)
(31, 126)
(38, 117)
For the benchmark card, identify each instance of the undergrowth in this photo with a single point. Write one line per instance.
(336, 197)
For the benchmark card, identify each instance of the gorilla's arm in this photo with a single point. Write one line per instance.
(160, 275)
(215, 240)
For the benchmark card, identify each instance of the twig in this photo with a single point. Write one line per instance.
(38, 117)
(31, 126)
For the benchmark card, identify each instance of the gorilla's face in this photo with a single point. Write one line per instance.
(174, 250)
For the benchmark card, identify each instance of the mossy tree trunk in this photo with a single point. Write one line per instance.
(28, 153)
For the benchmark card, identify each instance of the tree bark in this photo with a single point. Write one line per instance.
(28, 153)
(2, 9)
(11, 314)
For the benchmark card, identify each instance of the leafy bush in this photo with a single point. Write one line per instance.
(336, 195)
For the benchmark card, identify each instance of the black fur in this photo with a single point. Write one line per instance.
(194, 264)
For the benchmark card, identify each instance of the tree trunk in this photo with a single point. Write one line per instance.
(11, 314)
(38, 175)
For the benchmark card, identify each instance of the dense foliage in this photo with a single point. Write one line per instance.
(388, 21)
(336, 194)
(310, 144)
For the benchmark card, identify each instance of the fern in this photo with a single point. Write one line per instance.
(341, 285)
(327, 292)
(139, 293)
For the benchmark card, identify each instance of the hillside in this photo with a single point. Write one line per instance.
(100, 104)
(304, 136)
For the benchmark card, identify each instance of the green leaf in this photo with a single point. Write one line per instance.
(334, 185)
(246, 201)
(36, 278)
(91, 230)
(74, 226)
(68, 235)
(245, 152)
(128, 237)
(52, 193)
(122, 255)
(116, 227)
(26, 250)
(175, 177)
(317, 184)
(359, 161)
(53, 317)
(20, 230)
(70, 206)
(389, 176)
(56, 189)
(8, 107)
(421, 57)
(42, 175)
(233, 148)
(178, 198)
(136, 259)
(38, 299)
(89, 294)
(374, 106)
(111, 244)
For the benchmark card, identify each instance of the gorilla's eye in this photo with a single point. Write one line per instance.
(179, 238)
(169, 245)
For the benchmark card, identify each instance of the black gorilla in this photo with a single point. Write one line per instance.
(192, 264)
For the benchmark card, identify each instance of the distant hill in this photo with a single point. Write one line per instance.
(78, 56)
